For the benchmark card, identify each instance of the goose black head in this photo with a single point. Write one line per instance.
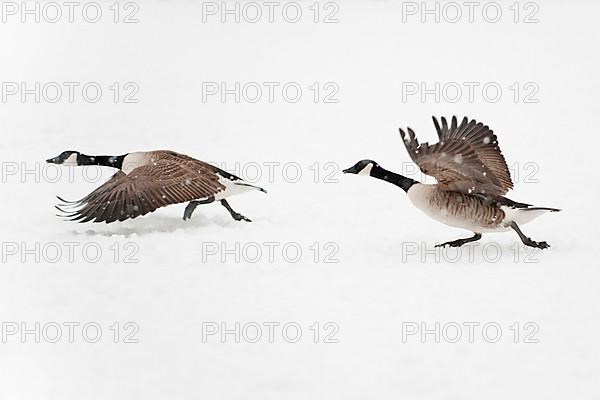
(68, 158)
(363, 167)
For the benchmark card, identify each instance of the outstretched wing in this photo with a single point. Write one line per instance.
(466, 159)
(169, 180)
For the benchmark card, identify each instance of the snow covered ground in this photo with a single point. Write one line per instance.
(138, 309)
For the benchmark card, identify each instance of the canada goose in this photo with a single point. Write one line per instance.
(472, 178)
(150, 180)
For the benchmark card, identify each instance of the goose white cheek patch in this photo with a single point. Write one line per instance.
(366, 170)
(71, 161)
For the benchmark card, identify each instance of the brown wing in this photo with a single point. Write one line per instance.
(467, 158)
(171, 178)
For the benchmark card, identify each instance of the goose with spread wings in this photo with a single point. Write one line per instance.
(146, 181)
(472, 179)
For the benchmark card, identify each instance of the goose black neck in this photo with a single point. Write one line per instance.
(107, 161)
(391, 177)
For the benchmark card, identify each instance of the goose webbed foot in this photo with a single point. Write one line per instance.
(537, 245)
(235, 215)
(460, 242)
(189, 209)
(527, 240)
(240, 217)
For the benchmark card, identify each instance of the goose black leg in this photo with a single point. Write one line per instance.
(527, 240)
(235, 215)
(189, 210)
(460, 242)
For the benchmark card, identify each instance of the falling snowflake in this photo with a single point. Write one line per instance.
(458, 159)
(486, 140)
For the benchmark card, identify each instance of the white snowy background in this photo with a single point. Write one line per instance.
(387, 272)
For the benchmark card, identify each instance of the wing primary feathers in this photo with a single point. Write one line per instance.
(466, 159)
(444, 126)
(66, 201)
(402, 134)
(437, 127)
(413, 139)
(66, 214)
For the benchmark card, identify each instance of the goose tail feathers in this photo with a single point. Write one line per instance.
(541, 209)
(250, 186)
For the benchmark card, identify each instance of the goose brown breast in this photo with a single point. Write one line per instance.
(467, 207)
